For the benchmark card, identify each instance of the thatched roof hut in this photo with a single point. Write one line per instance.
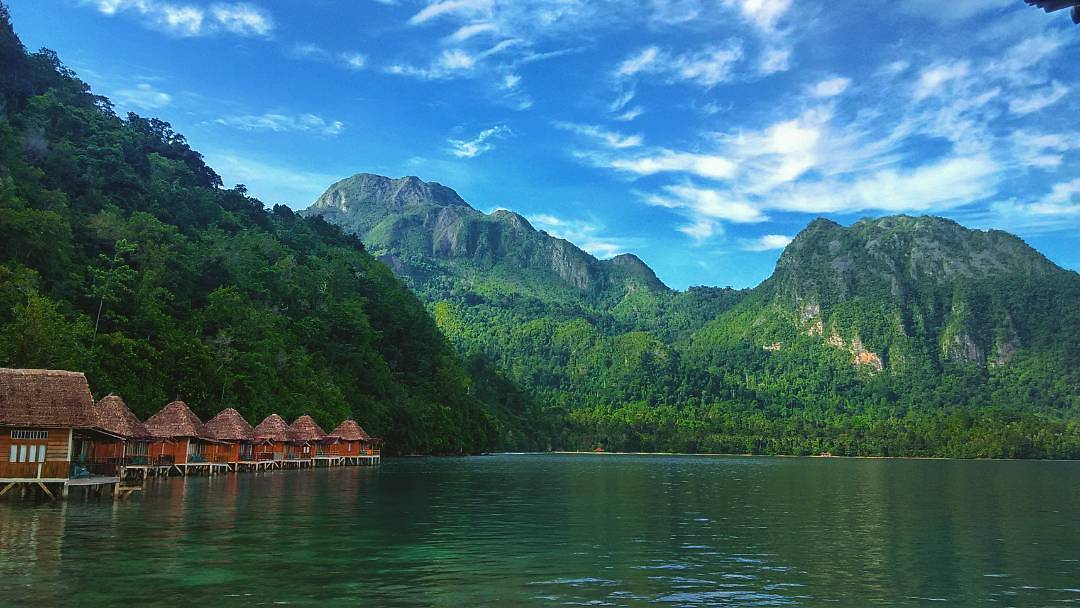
(229, 425)
(305, 429)
(46, 398)
(272, 428)
(349, 431)
(176, 420)
(116, 417)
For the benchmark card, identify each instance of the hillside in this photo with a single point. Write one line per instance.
(897, 335)
(561, 322)
(413, 222)
(123, 256)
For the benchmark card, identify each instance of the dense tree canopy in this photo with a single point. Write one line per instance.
(124, 257)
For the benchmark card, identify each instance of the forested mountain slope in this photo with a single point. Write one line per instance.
(123, 256)
(565, 324)
(898, 335)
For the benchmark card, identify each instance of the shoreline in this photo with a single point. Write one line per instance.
(817, 456)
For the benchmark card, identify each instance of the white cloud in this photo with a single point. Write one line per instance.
(630, 114)
(143, 96)
(308, 50)
(669, 161)
(609, 139)
(622, 100)
(1063, 199)
(708, 203)
(762, 13)
(354, 61)
(279, 122)
(482, 142)
(701, 229)
(456, 59)
(707, 67)
(1043, 150)
(441, 8)
(351, 60)
(932, 142)
(935, 77)
(452, 63)
(1039, 99)
(767, 242)
(775, 60)
(511, 81)
(942, 184)
(465, 32)
(586, 234)
(182, 20)
(1058, 209)
(242, 19)
(188, 20)
(639, 62)
(830, 87)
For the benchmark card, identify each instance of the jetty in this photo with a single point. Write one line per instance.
(54, 439)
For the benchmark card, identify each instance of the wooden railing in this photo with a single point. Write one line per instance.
(34, 470)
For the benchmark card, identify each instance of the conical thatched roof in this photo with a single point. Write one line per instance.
(349, 431)
(229, 425)
(115, 416)
(176, 420)
(46, 398)
(273, 428)
(305, 429)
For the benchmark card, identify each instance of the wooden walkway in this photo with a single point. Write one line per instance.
(60, 488)
(132, 478)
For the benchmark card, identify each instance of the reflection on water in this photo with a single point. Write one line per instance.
(565, 530)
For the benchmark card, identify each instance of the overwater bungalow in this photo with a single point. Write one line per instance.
(184, 440)
(133, 453)
(238, 437)
(352, 443)
(305, 435)
(48, 425)
(272, 439)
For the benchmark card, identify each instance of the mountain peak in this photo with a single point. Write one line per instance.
(638, 269)
(371, 190)
(897, 250)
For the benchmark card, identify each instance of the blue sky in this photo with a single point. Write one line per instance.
(699, 134)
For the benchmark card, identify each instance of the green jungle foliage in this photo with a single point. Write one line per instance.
(123, 256)
(897, 336)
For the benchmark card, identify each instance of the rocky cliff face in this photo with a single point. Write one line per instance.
(890, 285)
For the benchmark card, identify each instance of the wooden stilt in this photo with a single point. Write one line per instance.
(45, 488)
(7, 487)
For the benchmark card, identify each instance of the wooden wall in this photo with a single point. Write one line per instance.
(56, 446)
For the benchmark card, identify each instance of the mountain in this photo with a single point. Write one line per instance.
(121, 255)
(965, 296)
(413, 223)
(897, 335)
(553, 317)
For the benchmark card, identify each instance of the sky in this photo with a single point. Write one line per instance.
(701, 135)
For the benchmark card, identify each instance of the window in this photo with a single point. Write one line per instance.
(27, 453)
(25, 434)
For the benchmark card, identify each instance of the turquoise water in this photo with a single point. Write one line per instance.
(532, 530)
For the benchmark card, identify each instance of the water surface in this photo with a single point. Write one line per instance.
(532, 530)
